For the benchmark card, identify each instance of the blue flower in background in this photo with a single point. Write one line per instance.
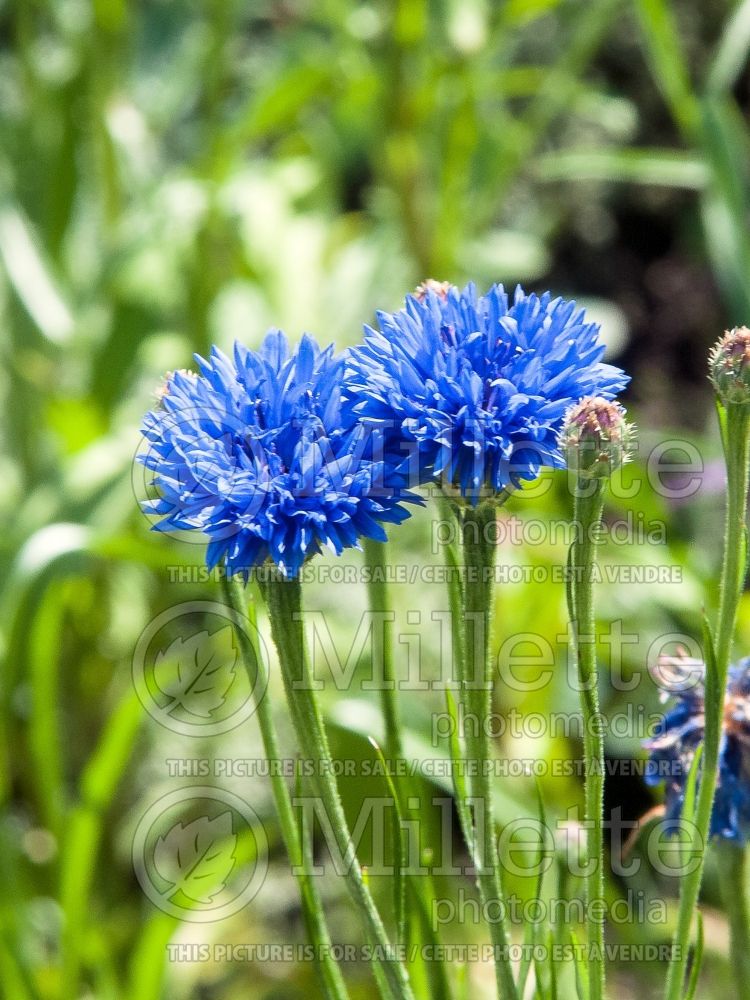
(253, 453)
(477, 385)
(678, 735)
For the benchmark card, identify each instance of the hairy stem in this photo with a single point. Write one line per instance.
(476, 688)
(285, 607)
(586, 518)
(328, 969)
(382, 647)
(736, 443)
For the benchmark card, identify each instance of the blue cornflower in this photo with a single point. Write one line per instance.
(254, 453)
(679, 733)
(476, 386)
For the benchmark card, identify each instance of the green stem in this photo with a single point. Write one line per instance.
(451, 513)
(382, 662)
(736, 444)
(476, 688)
(733, 569)
(587, 514)
(733, 869)
(382, 646)
(255, 666)
(415, 917)
(285, 608)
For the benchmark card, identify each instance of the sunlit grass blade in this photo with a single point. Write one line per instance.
(147, 968)
(660, 167)
(45, 739)
(31, 277)
(561, 80)
(668, 60)
(80, 849)
(731, 53)
(725, 145)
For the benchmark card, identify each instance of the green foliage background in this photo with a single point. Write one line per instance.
(177, 174)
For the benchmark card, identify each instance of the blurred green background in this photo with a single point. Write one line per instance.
(177, 174)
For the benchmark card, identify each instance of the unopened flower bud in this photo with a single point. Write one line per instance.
(729, 366)
(596, 439)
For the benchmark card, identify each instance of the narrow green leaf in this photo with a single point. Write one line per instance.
(106, 765)
(276, 107)
(695, 969)
(662, 167)
(668, 61)
(581, 969)
(304, 834)
(457, 774)
(146, 969)
(82, 841)
(542, 815)
(399, 883)
(525, 966)
(553, 969)
(543, 981)
(725, 201)
(688, 805)
(732, 51)
(532, 936)
(31, 277)
(714, 694)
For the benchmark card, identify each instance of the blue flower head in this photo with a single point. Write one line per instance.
(477, 386)
(253, 453)
(673, 744)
